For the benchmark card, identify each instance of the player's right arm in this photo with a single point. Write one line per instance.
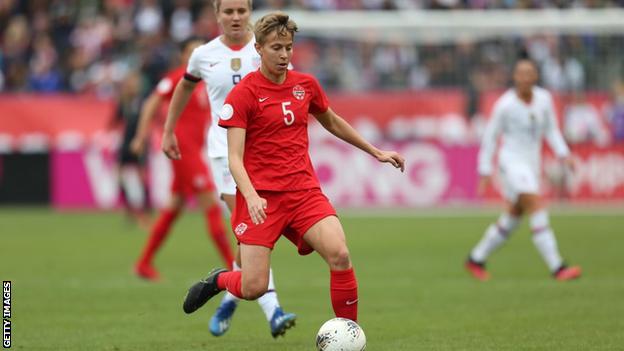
(239, 107)
(181, 95)
(236, 149)
(148, 111)
(488, 146)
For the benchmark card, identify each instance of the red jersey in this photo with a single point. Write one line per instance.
(275, 117)
(191, 127)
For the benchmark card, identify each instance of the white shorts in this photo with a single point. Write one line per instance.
(518, 178)
(222, 177)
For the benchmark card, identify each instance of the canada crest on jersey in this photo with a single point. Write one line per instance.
(235, 64)
(240, 229)
(298, 92)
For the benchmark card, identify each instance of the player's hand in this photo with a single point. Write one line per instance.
(484, 182)
(569, 163)
(137, 146)
(393, 158)
(256, 206)
(170, 146)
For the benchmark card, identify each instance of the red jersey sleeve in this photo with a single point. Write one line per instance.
(319, 102)
(239, 107)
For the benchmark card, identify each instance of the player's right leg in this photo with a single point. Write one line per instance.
(515, 178)
(327, 238)
(144, 267)
(220, 321)
(249, 283)
(494, 237)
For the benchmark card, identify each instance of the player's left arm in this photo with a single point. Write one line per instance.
(553, 136)
(343, 130)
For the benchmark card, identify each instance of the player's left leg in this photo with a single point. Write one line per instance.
(544, 238)
(327, 238)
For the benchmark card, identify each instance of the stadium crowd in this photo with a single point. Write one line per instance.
(91, 46)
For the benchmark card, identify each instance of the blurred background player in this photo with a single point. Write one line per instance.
(190, 174)
(523, 116)
(221, 64)
(278, 190)
(131, 171)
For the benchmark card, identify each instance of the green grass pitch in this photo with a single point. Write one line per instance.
(73, 288)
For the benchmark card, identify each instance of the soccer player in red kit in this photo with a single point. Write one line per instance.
(278, 192)
(190, 173)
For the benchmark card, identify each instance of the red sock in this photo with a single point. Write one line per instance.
(231, 281)
(157, 235)
(344, 295)
(217, 232)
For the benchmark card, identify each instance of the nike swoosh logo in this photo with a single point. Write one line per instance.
(262, 99)
(212, 64)
(349, 303)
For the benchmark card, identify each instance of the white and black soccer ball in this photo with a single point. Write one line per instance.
(340, 334)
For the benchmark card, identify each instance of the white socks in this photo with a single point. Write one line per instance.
(544, 240)
(495, 235)
(268, 302)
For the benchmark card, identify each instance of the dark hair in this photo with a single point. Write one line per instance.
(274, 21)
(523, 55)
(186, 42)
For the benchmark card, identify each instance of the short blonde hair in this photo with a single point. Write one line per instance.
(274, 21)
(217, 5)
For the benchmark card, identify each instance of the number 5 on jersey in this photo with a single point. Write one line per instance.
(289, 116)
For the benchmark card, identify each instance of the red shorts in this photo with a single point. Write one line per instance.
(191, 175)
(289, 213)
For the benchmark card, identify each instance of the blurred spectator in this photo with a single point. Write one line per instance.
(44, 75)
(181, 26)
(616, 113)
(148, 18)
(105, 76)
(16, 39)
(563, 74)
(582, 123)
(92, 35)
(90, 46)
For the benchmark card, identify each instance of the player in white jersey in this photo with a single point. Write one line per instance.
(222, 63)
(523, 116)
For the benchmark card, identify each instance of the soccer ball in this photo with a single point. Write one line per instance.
(340, 334)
